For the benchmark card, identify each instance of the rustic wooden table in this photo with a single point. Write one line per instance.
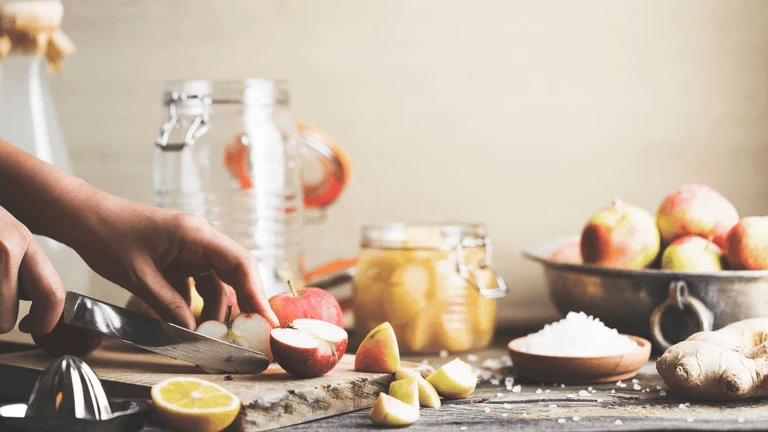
(642, 406)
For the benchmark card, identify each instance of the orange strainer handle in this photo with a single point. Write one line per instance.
(334, 163)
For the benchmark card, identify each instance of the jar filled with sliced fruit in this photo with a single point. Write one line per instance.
(433, 283)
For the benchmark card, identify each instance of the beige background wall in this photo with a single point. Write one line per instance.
(525, 115)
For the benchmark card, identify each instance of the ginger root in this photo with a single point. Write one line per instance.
(726, 364)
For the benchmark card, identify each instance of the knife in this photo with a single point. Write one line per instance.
(159, 336)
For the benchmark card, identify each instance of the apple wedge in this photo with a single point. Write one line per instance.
(428, 396)
(455, 380)
(406, 390)
(308, 348)
(388, 411)
(378, 352)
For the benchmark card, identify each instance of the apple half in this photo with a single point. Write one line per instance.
(308, 348)
(247, 330)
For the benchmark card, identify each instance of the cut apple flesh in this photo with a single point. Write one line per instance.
(296, 339)
(455, 380)
(428, 396)
(406, 390)
(321, 329)
(326, 331)
(388, 411)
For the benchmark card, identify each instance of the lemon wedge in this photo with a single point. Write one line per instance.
(194, 405)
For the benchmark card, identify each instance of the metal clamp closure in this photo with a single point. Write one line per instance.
(197, 127)
(469, 276)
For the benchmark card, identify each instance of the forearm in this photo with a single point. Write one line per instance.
(49, 201)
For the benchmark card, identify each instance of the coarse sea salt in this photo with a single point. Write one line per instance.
(577, 335)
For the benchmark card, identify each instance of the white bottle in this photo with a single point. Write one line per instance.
(28, 121)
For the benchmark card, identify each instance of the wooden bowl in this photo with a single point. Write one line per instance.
(580, 370)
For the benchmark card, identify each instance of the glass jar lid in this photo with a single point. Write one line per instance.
(251, 91)
(442, 236)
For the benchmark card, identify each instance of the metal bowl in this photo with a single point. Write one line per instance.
(667, 306)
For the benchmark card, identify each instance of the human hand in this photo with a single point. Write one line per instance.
(21, 259)
(152, 253)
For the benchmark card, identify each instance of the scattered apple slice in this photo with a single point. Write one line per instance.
(455, 380)
(248, 330)
(378, 352)
(388, 411)
(427, 394)
(406, 390)
(308, 348)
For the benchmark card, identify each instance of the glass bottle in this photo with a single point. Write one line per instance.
(28, 120)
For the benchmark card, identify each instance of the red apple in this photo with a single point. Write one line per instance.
(308, 348)
(247, 330)
(620, 236)
(67, 339)
(568, 253)
(696, 209)
(313, 303)
(747, 244)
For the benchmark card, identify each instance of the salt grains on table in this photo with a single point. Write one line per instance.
(577, 335)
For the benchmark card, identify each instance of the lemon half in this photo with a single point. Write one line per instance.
(194, 405)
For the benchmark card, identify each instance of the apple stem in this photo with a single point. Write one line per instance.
(616, 203)
(228, 318)
(294, 293)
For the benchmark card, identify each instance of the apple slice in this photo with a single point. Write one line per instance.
(428, 396)
(388, 411)
(378, 352)
(405, 390)
(455, 380)
(308, 348)
(248, 330)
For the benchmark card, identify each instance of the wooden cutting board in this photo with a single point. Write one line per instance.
(270, 400)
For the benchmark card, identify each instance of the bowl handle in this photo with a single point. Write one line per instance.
(679, 297)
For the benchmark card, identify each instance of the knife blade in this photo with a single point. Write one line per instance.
(159, 336)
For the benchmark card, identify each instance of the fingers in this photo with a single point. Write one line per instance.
(10, 259)
(215, 298)
(236, 267)
(161, 297)
(44, 287)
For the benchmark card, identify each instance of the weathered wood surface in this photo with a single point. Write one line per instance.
(271, 399)
(555, 407)
(532, 411)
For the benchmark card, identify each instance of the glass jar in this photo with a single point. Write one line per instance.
(433, 283)
(231, 153)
